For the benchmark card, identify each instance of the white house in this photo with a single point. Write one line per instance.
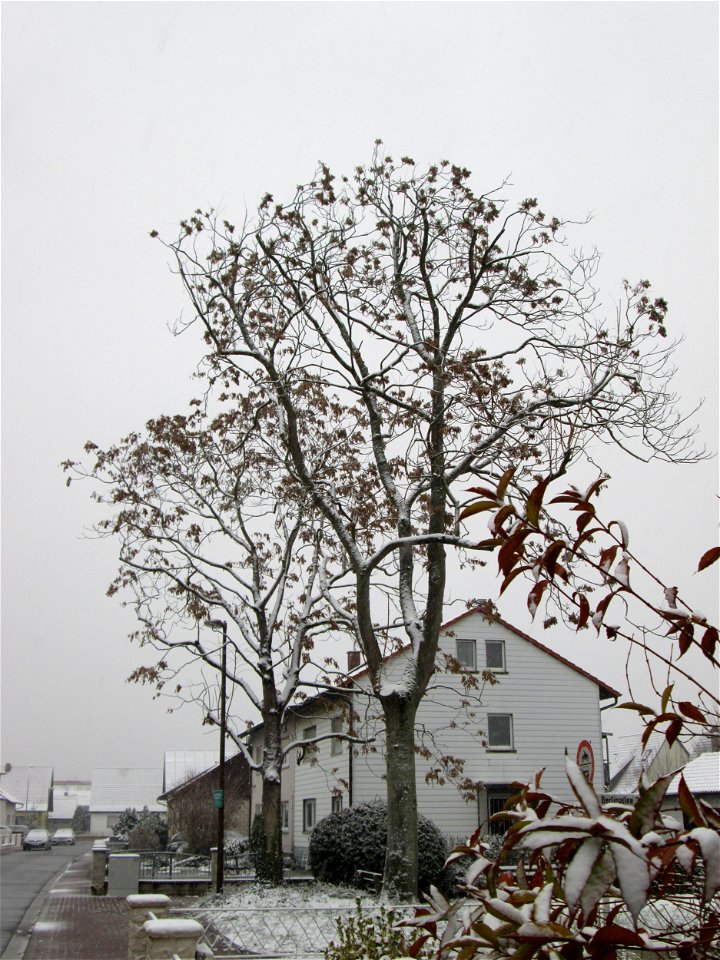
(33, 788)
(541, 709)
(116, 789)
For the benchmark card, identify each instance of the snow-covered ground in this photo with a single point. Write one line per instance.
(294, 920)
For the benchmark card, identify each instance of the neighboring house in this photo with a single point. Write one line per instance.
(702, 776)
(8, 807)
(116, 789)
(190, 806)
(33, 788)
(541, 709)
(179, 766)
(629, 760)
(68, 795)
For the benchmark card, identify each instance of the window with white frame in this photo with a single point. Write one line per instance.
(308, 815)
(465, 654)
(285, 815)
(336, 803)
(336, 746)
(495, 655)
(500, 731)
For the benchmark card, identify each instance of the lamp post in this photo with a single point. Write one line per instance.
(221, 626)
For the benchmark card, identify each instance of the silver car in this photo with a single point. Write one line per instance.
(63, 835)
(38, 839)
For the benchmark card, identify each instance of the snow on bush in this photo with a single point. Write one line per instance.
(356, 839)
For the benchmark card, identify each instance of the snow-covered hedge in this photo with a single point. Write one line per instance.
(356, 839)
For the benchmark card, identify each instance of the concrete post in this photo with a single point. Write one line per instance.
(166, 939)
(138, 906)
(99, 863)
(123, 874)
(213, 869)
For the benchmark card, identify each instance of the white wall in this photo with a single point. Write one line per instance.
(553, 706)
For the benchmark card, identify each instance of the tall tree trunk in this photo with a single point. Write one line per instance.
(400, 882)
(269, 867)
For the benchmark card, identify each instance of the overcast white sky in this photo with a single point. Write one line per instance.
(122, 117)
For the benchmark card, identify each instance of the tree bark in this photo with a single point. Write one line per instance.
(400, 882)
(270, 867)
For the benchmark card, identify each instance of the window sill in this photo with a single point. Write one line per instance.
(501, 749)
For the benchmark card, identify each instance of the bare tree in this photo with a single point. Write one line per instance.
(207, 524)
(451, 334)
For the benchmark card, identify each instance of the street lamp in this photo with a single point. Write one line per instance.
(220, 626)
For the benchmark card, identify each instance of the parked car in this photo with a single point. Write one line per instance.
(63, 835)
(38, 839)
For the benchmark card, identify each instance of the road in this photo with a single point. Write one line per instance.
(23, 874)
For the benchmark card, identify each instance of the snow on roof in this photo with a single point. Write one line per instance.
(182, 765)
(65, 804)
(629, 759)
(8, 797)
(702, 775)
(115, 789)
(29, 784)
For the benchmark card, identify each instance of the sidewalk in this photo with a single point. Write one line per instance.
(73, 924)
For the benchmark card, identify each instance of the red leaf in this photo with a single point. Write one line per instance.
(483, 491)
(551, 556)
(688, 805)
(613, 933)
(582, 601)
(691, 711)
(709, 642)
(708, 558)
(685, 639)
(535, 596)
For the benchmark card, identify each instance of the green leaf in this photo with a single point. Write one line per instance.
(648, 806)
(534, 503)
(645, 711)
(478, 507)
(504, 481)
(667, 693)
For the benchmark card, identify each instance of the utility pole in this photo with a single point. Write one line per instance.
(221, 625)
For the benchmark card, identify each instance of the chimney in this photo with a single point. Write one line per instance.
(353, 660)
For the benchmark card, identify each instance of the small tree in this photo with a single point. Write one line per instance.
(207, 520)
(410, 334)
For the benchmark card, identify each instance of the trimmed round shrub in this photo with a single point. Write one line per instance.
(356, 839)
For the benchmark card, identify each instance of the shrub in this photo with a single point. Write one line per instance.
(356, 839)
(369, 938)
(142, 827)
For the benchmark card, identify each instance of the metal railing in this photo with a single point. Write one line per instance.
(278, 931)
(166, 865)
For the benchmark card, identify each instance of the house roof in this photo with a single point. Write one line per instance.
(179, 766)
(31, 785)
(64, 807)
(179, 787)
(115, 789)
(8, 797)
(629, 759)
(702, 775)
